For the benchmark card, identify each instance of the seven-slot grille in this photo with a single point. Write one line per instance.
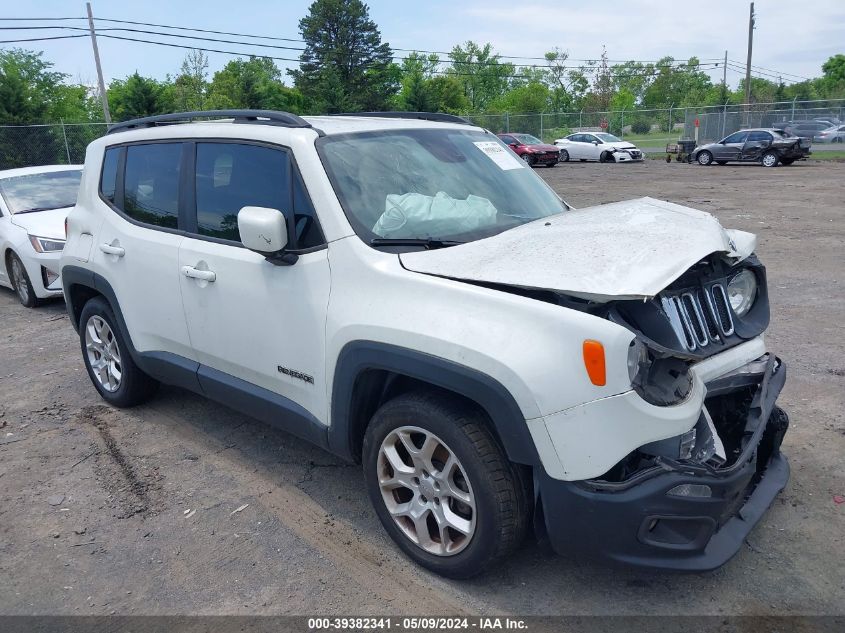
(701, 316)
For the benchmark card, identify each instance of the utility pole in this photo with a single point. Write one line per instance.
(725, 75)
(103, 96)
(748, 61)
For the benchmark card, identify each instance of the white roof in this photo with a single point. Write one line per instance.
(346, 124)
(40, 169)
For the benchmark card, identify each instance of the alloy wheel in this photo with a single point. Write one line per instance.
(19, 280)
(426, 491)
(770, 160)
(103, 353)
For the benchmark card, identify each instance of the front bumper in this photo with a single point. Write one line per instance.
(628, 156)
(43, 270)
(636, 523)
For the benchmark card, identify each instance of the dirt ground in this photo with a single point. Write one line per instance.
(184, 507)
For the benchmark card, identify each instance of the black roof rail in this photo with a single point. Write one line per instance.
(440, 117)
(266, 117)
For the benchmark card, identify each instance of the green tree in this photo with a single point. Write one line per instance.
(832, 82)
(416, 93)
(191, 86)
(481, 74)
(254, 83)
(138, 96)
(530, 98)
(677, 84)
(345, 65)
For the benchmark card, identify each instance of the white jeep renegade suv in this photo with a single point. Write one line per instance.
(401, 290)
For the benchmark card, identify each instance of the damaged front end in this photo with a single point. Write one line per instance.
(688, 501)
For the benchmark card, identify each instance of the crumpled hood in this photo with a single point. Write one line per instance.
(623, 250)
(43, 223)
(622, 145)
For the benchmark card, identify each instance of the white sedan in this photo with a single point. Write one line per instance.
(34, 202)
(599, 146)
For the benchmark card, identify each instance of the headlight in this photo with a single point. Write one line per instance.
(742, 290)
(637, 355)
(46, 245)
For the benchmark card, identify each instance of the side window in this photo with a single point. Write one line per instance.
(151, 183)
(108, 178)
(736, 137)
(307, 229)
(759, 136)
(577, 138)
(231, 176)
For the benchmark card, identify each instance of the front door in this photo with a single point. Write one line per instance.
(731, 147)
(248, 318)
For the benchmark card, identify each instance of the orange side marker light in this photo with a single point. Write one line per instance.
(594, 362)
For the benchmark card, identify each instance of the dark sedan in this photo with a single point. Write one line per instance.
(766, 146)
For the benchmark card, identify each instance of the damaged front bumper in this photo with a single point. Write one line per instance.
(680, 514)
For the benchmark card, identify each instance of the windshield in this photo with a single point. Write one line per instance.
(527, 139)
(608, 138)
(40, 192)
(433, 184)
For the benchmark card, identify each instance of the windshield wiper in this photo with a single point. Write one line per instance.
(61, 206)
(426, 242)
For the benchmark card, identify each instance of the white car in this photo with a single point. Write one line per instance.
(402, 290)
(833, 134)
(599, 146)
(34, 202)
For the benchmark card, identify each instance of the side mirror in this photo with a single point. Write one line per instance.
(596, 142)
(265, 231)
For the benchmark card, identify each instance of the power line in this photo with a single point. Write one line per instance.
(41, 39)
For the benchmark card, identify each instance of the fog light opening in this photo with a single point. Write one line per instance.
(691, 490)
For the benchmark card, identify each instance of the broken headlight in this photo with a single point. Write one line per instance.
(742, 290)
(637, 357)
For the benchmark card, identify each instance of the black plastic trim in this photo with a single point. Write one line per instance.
(359, 356)
(265, 117)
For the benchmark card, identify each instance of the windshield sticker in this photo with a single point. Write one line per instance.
(502, 156)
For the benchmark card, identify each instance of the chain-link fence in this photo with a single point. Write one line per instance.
(651, 129)
(666, 124)
(59, 144)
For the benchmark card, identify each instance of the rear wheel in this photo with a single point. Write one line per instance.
(20, 281)
(564, 156)
(441, 486)
(704, 158)
(769, 159)
(114, 374)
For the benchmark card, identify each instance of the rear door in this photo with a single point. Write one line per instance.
(756, 144)
(248, 318)
(137, 245)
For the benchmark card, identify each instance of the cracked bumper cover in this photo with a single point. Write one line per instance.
(637, 523)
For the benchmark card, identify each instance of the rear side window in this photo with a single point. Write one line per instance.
(759, 136)
(231, 176)
(151, 184)
(108, 179)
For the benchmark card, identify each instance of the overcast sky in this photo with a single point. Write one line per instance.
(791, 37)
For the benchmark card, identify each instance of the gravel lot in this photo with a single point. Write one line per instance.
(182, 507)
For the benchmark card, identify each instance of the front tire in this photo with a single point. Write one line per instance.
(441, 486)
(117, 378)
(529, 159)
(20, 281)
(606, 157)
(563, 157)
(704, 158)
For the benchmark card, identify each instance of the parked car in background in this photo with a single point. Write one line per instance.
(833, 134)
(34, 202)
(766, 146)
(531, 149)
(805, 129)
(599, 146)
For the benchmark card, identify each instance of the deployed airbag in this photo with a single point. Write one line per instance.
(418, 215)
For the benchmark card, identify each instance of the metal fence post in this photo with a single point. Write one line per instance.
(792, 117)
(622, 127)
(580, 120)
(670, 117)
(507, 123)
(541, 126)
(67, 149)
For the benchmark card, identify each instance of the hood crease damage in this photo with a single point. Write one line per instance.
(623, 250)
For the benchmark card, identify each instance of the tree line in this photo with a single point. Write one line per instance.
(346, 67)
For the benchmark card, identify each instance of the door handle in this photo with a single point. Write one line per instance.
(118, 251)
(196, 273)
